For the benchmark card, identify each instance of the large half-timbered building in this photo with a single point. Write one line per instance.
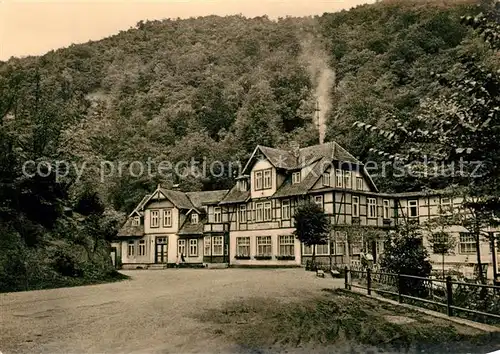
(252, 223)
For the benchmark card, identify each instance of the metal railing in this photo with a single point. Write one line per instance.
(442, 294)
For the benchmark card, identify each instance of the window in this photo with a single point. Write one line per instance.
(243, 213)
(131, 248)
(347, 179)
(326, 179)
(250, 212)
(372, 207)
(142, 248)
(258, 180)
(359, 183)
(467, 243)
(318, 199)
(339, 243)
(295, 177)
(356, 247)
(286, 245)
(355, 206)
(386, 209)
(194, 218)
(264, 247)
(136, 221)
(207, 246)
(412, 208)
(217, 215)
(285, 210)
(267, 179)
(181, 247)
(446, 205)
(267, 211)
(154, 218)
(167, 218)
(338, 178)
(243, 246)
(259, 212)
(439, 243)
(193, 247)
(218, 246)
(243, 185)
(161, 240)
(323, 250)
(307, 250)
(379, 247)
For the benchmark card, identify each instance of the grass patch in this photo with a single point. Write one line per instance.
(341, 318)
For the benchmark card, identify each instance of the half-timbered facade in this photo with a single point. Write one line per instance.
(258, 211)
(252, 223)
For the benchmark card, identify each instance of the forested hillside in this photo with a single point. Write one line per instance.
(205, 88)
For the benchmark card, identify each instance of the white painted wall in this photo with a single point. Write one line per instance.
(161, 206)
(262, 165)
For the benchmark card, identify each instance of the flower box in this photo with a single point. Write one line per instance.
(242, 257)
(285, 258)
(261, 258)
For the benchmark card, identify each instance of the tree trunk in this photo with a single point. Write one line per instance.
(313, 258)
(478, 254)
(443, 265)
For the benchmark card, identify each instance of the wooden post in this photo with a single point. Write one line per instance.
(400, 298)
(449, 295)
(346, 278)
(369, 280)
(494, 258)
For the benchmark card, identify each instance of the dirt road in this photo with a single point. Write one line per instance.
(154, 312)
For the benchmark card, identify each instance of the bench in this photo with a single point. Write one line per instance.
(320, 273)
(335, 273)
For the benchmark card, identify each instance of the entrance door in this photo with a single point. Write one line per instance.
(161, 250)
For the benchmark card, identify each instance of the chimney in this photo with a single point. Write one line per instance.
(295, 150)
(176, 187)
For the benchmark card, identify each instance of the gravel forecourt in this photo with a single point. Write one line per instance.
(153, 312)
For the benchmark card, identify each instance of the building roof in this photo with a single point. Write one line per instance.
(288, 160)
(288, 189)
(139, 206)
(235, 195)
(330, 150)
(189, 228)
(198, 199)
(178, 198)
(128, 230)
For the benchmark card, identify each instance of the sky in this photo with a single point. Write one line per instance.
(34, 27)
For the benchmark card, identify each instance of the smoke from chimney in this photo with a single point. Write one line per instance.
(323, 78)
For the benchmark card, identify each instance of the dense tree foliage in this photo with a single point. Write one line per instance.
(453, 140)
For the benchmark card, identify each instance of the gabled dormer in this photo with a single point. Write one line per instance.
(165, 210)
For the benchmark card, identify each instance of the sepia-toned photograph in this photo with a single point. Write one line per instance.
(249, 177)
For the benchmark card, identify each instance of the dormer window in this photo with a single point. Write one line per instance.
(295, 177)
(267, 179)
(326, 179)
(136, 221)
(194, 218)
(347, 179)
(263, 179)
(243, 185)
(338, 178)
(258, 180)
